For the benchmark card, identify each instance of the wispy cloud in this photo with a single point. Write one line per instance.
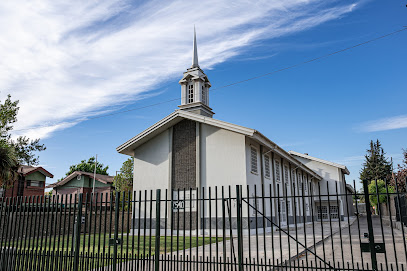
(68, 60)
(356, 160)
(385, 124)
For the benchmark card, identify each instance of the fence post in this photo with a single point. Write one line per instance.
(370, 226)
(77, 233)
(116, 229)
(239, 227)
(157, 229)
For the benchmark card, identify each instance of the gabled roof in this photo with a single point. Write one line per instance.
(172, 119)
(306, 156)
(26, 170)
(99, 177)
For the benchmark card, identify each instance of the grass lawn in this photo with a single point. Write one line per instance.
(140, 245)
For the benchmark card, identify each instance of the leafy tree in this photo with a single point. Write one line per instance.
(123, 182)
(8, 164)
(89, 166)
(401, 174)
(380, 190)
(376, 166)
(25, 149)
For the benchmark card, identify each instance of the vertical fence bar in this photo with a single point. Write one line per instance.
(239, 227)
(401, 220)
(358, 222)
(77, 233)
(391, 225)
(370, 227)
(157, 229)
(116, 230)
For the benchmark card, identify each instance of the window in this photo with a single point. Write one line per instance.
(277, 171)
(322, 212)
(203, 95)
(289, 207)
(267, 166)
(305, 184)
(34, 183)
(286, 175)
(334, 212)
(190, 93)
(253, 159)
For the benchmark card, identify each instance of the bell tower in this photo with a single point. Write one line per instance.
(195, 88)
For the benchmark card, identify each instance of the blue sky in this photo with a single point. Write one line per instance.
(68, 63)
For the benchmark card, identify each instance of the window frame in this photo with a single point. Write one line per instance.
(256, 171)
(203, 93)
(190, 97)
(30, 182)
(277, 170)
(267, 167)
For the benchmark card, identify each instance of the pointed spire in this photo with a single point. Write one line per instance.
(195, 56)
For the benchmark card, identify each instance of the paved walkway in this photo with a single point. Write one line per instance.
(325, 242)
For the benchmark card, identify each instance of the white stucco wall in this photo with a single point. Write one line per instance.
(151, 163)
(329, 174)
(222, 157)
(332, 176)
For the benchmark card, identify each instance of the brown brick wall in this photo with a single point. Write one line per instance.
(28, 191)
(184, 155)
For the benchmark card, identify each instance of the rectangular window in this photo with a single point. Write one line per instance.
(286, 175)
(34, 183)
(277, 171)
(190, 93)
(267, 166)
(289, 207)
(305, 184)
(334, 212)
(322, 212)
(253, 159)
(203, 95)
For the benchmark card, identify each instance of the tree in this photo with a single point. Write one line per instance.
(376, 165)
(401, 174)
(8, 164)
(25, 149)
(380, 190)
(89, 166)
(123, 182)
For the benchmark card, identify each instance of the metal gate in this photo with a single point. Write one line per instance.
(220, 228)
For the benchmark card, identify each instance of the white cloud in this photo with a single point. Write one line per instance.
(385, 124)
(66, 60)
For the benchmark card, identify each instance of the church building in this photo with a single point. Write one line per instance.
(189, 148)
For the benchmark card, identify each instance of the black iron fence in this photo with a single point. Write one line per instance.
(220, 228)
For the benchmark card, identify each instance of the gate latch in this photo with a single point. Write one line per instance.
(113, 242)
(378, 247)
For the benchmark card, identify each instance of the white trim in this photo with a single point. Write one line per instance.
(170, 120)
(344, 168)
(129, 146)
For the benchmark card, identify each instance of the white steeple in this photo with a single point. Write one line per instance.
(195, 55)
(195, 87)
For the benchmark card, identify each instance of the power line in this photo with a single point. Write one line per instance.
(231, 84)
